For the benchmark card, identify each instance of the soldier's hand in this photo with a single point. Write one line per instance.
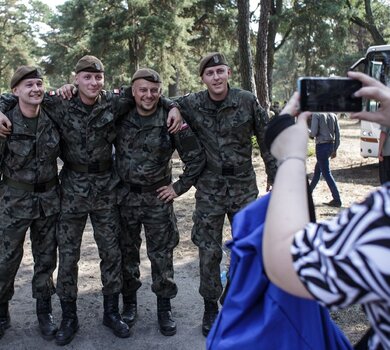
(166, 193)
(66, 91)
(5, 125)
(174, 120)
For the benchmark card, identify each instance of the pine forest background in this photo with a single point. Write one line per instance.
(267, 49)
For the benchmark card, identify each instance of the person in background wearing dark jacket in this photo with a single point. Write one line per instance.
(325, 129)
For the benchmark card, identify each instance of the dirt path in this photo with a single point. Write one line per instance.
(355, 176)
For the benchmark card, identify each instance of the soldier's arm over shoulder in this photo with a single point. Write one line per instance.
(261, 121)
(7, 102)
(168, 104)
(188, 104)
(192, 154)
(122, 101)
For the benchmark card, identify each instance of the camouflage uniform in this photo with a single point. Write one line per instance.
(29, 198)
(87, 188)
(144, 149)
(229, 180)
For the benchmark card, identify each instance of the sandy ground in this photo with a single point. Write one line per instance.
(355, 176)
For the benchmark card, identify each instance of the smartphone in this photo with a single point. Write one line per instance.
(335, 94)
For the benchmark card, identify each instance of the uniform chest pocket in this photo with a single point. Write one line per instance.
(105, 128)
(49, 145)
(240, 126)
(21, 149)
(158, 143)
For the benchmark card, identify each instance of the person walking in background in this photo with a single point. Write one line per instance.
(144, 149)
(224, 119)
(325, 129)
(384, 155)
(29, 197)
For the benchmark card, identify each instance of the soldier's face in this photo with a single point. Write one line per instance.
(216, 79)
(90, 84)
(29, 91)
(146, 95)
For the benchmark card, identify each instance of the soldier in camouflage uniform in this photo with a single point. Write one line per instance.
(86, 125)
(87, 130)
(144, 148)
(29, 197)
(224, 119)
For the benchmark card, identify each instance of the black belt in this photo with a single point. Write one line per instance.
(92, 168)
(37, 187)
(143, 189)
(324, 142)
(229, 170)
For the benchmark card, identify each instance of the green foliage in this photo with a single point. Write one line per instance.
(314, 38)
(19, 26)
(324, 40)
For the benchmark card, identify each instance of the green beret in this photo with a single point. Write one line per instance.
(211, 60)
(89, 64)
(25, 72)
(147, 74)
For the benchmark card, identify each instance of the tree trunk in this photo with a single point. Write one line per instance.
(261, 54)
(244, 49)
(275, 11)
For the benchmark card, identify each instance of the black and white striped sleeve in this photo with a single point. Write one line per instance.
(346, 260)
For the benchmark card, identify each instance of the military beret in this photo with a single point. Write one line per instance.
(147, 74)
(211, 60)
(25, 72)
(89, 64)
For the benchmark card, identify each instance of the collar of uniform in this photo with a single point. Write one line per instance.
(18, 124)
(231, 99)
(157, 119)
(77, 103)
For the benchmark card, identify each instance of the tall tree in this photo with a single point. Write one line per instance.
(261, 59)
(367, 20)
(244, 49)
(17, 40)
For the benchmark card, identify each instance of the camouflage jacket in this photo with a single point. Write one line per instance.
(143, 152)
(31, 158)
(226, 135)
(86, 138)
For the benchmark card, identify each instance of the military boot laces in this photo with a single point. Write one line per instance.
(45, 319)
(112, 318)
(5, 320)
(69, 324)
(209, 316)
(129, 312)
(165, 321)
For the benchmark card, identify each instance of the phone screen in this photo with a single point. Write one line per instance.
(329, 94)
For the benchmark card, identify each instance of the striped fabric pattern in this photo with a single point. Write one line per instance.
(346, 260)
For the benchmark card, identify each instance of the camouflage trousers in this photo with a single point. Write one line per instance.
(208, 219)
(44, 250)
(104, 216)
(162, 237)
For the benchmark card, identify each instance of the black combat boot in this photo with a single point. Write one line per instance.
(5, 320)
(69, 323)
(165, 321)
(112, 318)
(45, 319)
(129, 312)
(209, 316)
